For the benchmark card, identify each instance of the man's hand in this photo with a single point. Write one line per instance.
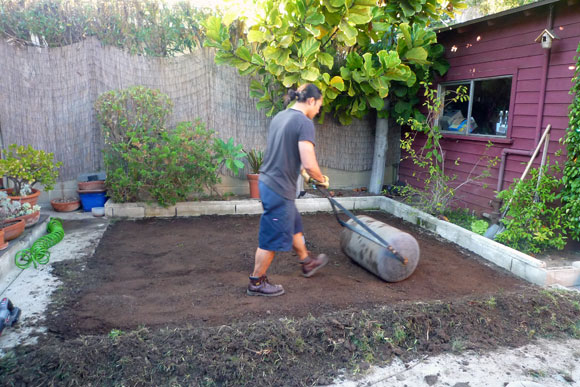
(324, 184)
(310, 180)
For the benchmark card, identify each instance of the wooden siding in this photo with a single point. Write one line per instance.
(506, 46)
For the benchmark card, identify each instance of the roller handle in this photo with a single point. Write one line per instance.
(379, 240)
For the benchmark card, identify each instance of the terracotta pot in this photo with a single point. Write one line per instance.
(3, 243)
(30, 219)
(254, 190)
(32, 198)
(65, 206)
(13, 228)
(91, 185)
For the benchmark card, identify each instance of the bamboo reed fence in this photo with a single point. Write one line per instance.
(47, 97)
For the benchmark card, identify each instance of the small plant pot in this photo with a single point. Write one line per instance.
(32, 198)
(13, 228)
(3, 243)
(65, 205)
(30, 219)
(91, 185)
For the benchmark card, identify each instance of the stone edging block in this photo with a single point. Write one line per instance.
(516, 262)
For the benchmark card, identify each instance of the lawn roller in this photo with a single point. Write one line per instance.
(385, 251)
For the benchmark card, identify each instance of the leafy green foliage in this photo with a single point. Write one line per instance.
(120, 112)
(570, 194)
(438, 187)
(147, 27)
(255, 159)
(26, 166)
(229, 155)
(461, 216)
(479, 226)
(487, 7)
(146, 161)
(354, 51)
(535, 221)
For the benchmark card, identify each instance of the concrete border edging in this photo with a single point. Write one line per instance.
(521, 265)
(516, 262)
(7, 264)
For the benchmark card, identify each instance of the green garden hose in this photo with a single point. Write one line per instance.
(38, 253)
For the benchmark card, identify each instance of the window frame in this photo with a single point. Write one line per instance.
(471, 81)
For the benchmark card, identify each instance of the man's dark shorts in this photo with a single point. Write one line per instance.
(279, 222)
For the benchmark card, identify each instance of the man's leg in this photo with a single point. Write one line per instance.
(299, 246)
(309, 265)
(262, 262)
(259, 284)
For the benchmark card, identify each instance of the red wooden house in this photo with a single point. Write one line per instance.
(516, 89)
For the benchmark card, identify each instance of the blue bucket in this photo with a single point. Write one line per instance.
(92, 199)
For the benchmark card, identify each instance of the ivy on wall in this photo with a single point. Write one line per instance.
(570, 194)
(144, 27)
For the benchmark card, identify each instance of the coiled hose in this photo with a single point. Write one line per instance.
(38, 253)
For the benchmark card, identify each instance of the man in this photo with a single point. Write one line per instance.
(290, 144)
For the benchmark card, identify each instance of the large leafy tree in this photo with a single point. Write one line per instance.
(355, 51)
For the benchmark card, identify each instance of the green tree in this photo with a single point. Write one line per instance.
(488, 7)
(355, 51)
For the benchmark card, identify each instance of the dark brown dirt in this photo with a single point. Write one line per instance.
(162, 302)
(195, 271)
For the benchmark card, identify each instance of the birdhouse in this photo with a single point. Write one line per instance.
(546, 38)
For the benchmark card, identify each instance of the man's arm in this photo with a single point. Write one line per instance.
(308, 159)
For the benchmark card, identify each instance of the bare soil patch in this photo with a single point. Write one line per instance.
(162, 302)
(170, 272)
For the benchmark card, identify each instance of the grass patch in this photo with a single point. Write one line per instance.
(299, 351)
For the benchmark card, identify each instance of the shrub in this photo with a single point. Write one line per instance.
(180, 163)
(570, 194)
(535, 221)
(145, 161)
(145, 27)
(138, 110)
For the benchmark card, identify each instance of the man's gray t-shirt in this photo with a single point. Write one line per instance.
(281, 165)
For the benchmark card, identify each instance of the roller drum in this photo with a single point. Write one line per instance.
(376, 258)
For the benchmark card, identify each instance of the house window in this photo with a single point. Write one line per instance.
(486, 111)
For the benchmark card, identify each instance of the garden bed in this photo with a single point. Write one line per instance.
(170, 272)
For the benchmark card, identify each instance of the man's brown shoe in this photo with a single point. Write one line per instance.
(311, 265)
(262, 287)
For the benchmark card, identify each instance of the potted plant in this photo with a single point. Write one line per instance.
(30, 214)
(3, 243)
(24, 167)
(11, 226)
(65, 204)
(255, 159)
